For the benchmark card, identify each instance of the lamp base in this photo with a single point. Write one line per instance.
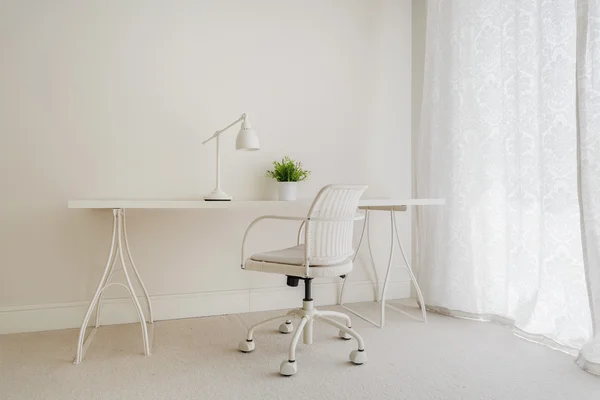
(217, 195)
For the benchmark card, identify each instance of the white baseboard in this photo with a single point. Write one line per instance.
(45, 317)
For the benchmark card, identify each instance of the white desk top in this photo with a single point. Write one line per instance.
(187, 204)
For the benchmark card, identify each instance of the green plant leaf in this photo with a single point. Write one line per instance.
(287, 170)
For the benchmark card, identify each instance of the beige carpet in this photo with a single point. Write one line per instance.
(197, 359)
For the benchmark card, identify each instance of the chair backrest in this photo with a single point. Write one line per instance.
(330, 242)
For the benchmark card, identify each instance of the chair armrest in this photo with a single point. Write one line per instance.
(276, 217)
(304, 220)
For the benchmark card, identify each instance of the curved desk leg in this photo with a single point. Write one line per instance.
(360, 241)
(136, 302)
(81, 346)
(394, 236)
(137, 274)
(367, 228)
(371, 261)
(118, 238)
(388, 272)
(410, 273)
(106, 283)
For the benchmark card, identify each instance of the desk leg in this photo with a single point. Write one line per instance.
(119, 237)
(366, 227)
(406, 265)
(388, 272)
(394, 236)
(410, 272)
(137, 274)
(371, 261)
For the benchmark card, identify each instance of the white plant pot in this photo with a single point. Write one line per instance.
(287, 191)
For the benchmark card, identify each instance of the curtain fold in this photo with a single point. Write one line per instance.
(588, 83)
(498, 140)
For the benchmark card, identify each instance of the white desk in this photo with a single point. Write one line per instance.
(267, 204)
(120, 247)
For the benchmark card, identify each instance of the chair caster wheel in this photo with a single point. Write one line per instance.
(286, 327)
(288, 368)
(246, 346)
(344, 335)
(358, 357)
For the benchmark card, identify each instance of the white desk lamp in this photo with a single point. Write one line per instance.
(246, 140)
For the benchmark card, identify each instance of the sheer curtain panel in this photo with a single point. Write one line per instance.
(588, 80)
(499, 140)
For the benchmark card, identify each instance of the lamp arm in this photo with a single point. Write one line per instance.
(217, 133)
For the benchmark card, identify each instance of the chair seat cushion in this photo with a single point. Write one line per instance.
(291, 255)
(290, 261)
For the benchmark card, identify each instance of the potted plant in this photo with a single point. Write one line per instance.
(288, 173)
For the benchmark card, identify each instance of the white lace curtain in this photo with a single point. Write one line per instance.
(499, 141)
(588, 80)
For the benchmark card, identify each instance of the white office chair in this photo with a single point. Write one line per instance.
(326, 252)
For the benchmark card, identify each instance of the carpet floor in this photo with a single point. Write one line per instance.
(445, 359)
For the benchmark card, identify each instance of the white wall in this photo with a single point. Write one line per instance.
(419, 35)
(111, 99)
(419, 27)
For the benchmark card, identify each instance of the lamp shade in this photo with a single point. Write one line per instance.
(246, 138)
